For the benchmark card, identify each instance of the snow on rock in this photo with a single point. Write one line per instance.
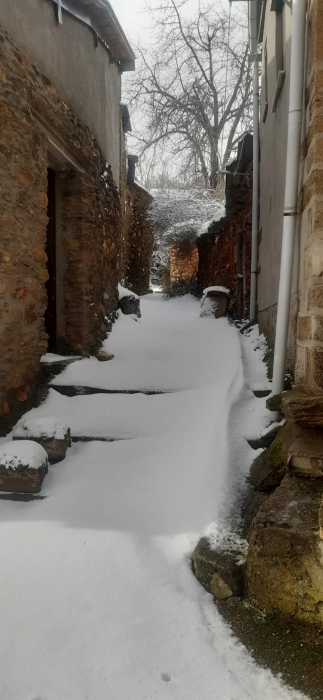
(124, 292)
(209, 307)
(273, 427)
(23, 453)
(43, 427)
(223, 290)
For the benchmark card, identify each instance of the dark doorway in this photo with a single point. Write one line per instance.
(50, 314)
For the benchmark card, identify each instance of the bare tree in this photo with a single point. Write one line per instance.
(192, 90)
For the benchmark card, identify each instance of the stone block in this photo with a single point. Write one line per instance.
(303, 408)
(49, 432)
(313, 259)
(269, 468)
(23, 467)
(305, 458)
(285, 557)
(274, 403)
(304, 327)
(220, 572)
(318, 328)
(130, 305)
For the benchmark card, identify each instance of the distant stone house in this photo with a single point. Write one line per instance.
(220, 252)
(224, 249)
(63, 184)
(139, 235)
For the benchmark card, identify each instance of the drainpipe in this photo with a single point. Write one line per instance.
(291, 192)
(253, 38)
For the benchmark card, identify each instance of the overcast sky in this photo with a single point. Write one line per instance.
(132, 18)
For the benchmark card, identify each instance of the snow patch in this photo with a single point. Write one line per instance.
(51, 358)
(45, 427)
(24, 453)
(224, 290)
(223, 540)
(124, 292)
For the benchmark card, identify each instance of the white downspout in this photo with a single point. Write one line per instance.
(253, 37)
(291, 192)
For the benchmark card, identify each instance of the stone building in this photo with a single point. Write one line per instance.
(224, 249)
(285, 561)
(183, 267)
(62, 181)
(139, 234)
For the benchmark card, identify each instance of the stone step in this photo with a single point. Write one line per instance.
(305, 458)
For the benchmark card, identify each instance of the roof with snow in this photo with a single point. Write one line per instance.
(215, 225)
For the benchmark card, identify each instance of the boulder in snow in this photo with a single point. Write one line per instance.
(23, 466)
(220, 572)
(103, 356)
(128, 302)
(53, 435)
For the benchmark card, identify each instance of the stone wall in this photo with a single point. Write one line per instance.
(223, 256)
(183, 266)
(309, 366)
(33, 117)
(139, 240)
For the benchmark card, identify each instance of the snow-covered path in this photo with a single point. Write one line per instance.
(97, 597)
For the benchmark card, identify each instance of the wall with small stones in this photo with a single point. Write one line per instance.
(218, 254)
(139, 238)
(183, 262)
(92, 226)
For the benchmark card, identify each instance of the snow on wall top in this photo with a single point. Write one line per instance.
(24, 453)
(219, 214)
(224, 290)
(47, 428)
(124, 292)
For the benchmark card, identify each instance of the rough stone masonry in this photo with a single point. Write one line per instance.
(91, 226)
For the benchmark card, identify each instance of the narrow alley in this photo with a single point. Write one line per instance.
(97, 593)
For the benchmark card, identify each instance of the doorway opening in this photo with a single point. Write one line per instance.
(51, 314)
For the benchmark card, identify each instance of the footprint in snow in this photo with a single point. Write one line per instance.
(166, 677)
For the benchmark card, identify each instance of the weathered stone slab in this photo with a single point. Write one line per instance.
(285, 557)
(49, 432)
(23, 466)
(305, 458)
(274, 403)
(130, 305)
(269, 468)
(218, 571)
(303, 408)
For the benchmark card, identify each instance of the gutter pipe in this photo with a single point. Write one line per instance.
(291, 192)
(253, 40)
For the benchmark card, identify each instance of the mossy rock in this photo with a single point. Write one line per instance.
(270, 467)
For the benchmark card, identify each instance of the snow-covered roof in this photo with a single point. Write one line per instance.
(219, 214)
